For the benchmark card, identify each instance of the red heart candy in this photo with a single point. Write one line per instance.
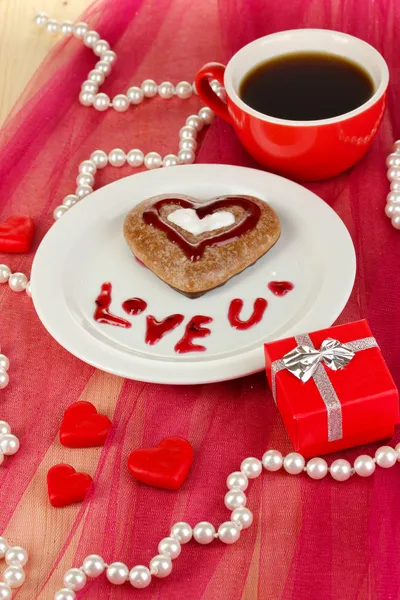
(165, 466)
(16, 234)
(66, 486)
(83, 427)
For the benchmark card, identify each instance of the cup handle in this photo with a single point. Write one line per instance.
(212, 70)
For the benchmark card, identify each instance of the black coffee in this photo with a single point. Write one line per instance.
(306, 86)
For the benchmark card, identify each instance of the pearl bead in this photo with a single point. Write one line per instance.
(386, 456)
(87, 166)
(103, 67)
(187, 132)
(251, 467)
(186, 157)
(215, 86)
(85, 179)
(184, 90)
(237, 480)
(392, 209)
(40, 20)
(5, 365)
(28, 289)
(4, 379)
(317, 468)
(182, 532)
(135, 95)
(393, 174)
(5, 591)
(99, 158)
(160, 566)
(91, 38)
(117, 573)
(140, 577)
(75, 579)
(228, 532)
(109, 57)
(393, 196)
(396, 146)
(101, 102)
(4, 428)
(9, 444)
(235, 498)
(70, 200)
(170, 547)
(93, 565)
(396, 221)
(64, 594)
(3, 546)
(16, 555)
(188, 144)
(86, 98)
(80, 29)
(393, 160)
(89, 86)
(52, 26)
(100, 47)
(149, 88)
(135, 158)
(152, 160)
(67, 27)
(395, 186)
(170, 160)
(120, 103)
(204, 532)
(83, 190)
(207, 115)
(293, 463)
(96, 76)
(242, 516)
(195, 121)
(166, 90)
(59, 211)
(364, 465)
(340, 469)
(17, 282)
(5, 273)
(117, 157)
(14, 576)
(272, 460)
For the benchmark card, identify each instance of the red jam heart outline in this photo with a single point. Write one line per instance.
(83, 426)
(166, 466)
(194, 251)
(16, 234)
(66, 486)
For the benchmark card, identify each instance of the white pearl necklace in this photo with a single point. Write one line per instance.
(9, 443)
(16, 558)
(228, 532)
(392, 209)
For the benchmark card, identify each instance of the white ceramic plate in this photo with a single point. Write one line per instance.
(86, 248)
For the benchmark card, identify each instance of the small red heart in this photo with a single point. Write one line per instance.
(66, 486)
(165, 466)
(83, 427)
(16, 234)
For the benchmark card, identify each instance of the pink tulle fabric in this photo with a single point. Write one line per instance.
(310, 540)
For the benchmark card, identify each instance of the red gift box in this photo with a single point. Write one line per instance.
(353, 405)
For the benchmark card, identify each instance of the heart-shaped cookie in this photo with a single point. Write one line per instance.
(16, 234)
(66, 486)
(83, 427)
(194, 245)
(165, 466)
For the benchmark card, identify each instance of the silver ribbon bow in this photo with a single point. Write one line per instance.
(305, 362)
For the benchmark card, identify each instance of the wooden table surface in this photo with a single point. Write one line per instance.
(21, 40)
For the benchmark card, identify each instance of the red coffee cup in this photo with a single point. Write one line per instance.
(302, 150)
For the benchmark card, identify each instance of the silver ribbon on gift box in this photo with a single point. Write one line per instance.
(306, 362)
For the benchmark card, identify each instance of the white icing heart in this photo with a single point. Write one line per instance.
(187, 219)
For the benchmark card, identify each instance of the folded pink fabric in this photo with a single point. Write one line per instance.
(310, 540)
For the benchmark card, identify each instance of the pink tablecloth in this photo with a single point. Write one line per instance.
(310, 540)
